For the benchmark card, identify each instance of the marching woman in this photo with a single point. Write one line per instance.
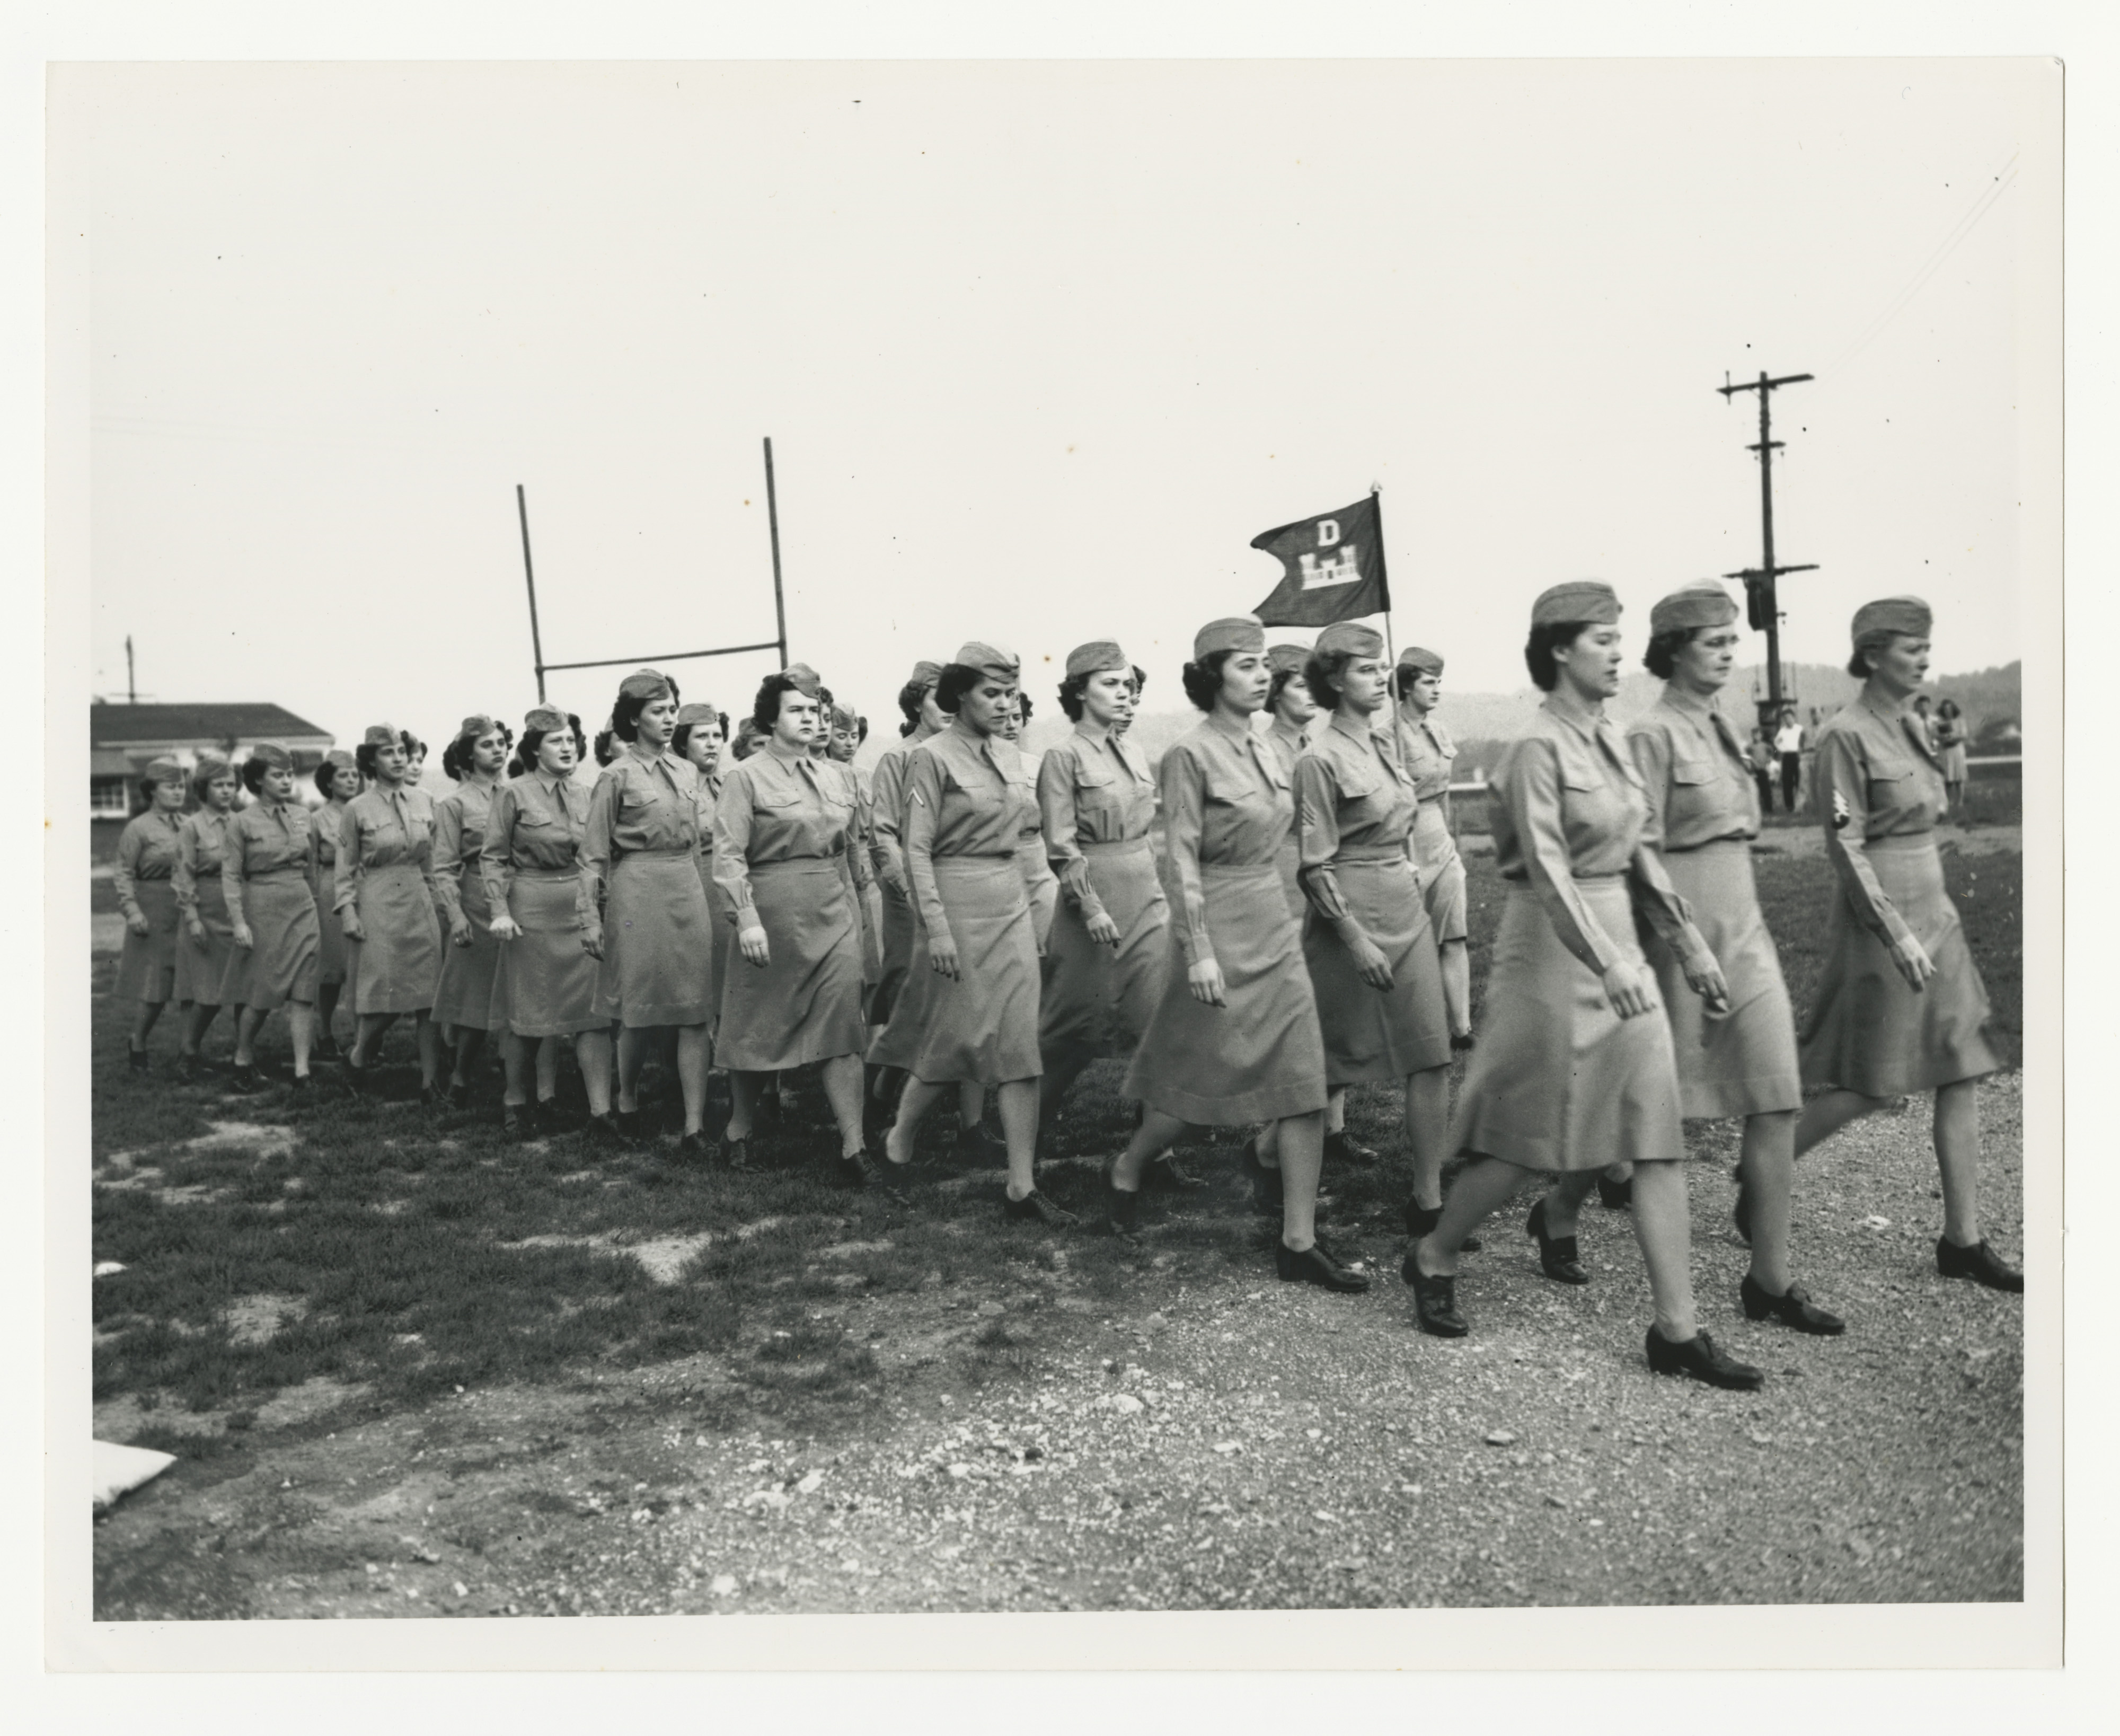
(464, 1009)
(849, 730)
(383, 889)
(1703, 815)
(271, 912)
(1576, 1069)
(924, 718)
(1109, 949)
(1235, 1038)
(1901, 1008)
(544, 992)
(1428, 753)
(146, 856)
(1040, 884)
(203, 947)
(697, 741)
(782, 832)
(339, 782)
(1367, 941)
(965, 815)
(643, 915)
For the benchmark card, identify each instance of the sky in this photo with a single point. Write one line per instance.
(1041, 347)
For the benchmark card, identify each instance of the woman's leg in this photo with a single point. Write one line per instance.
(1428, 1131)
(515, 1058)
(327, 995)
(1664, 1228)
(1825, 1116)
(1018, 1102)
(144, 1015)
(1958, 1159)
(1483, 1187)
(914, 1103)
(1302, 1145)
(1266, 1143)
(368, 1030)
(694, 1052)
(971, 1104)
(301, 1034)
(1564, 1197)
(744, 1090)
(1336, 1111)
(1767, 1167)
(1457, 986)
(468, 1041)
(429, 1042)
(593, 1052)
(198, 1016)
(842, 1078)
(1157, 1133)
(248, 1019)
(633, 1045)
(548, 1068)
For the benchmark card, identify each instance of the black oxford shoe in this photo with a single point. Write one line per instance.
(1434, 1302)
(1559, 1257)
(1698, 1359)
(1980, 1263)
(1315, 1265)
(1793, 1307)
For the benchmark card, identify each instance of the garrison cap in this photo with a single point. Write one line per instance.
(696, 713)
(1286, 659)
(1349, 638)
(167, 770)
(1877, 621)
(806, 679)
(1590, 601)
(1230, 633)
(645, 684)
(1702, 604)
(1418, 656)
(383, 735)
(1096, 657)
(273, 754)
(992, 661)
(547, 719)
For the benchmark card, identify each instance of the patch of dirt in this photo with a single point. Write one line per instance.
(256, 1320)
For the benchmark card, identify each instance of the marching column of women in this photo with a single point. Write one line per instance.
(1273, 913)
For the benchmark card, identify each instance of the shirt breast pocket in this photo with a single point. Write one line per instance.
(1089, 775)
(1692, 772)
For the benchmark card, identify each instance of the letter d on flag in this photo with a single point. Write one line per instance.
(1332, 568)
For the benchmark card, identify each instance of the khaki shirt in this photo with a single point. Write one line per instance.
(1875, 777)
(266, 838)
(199, 843)
(778, 810)
(887, 810)
(146, 850)
(382, 827)
(644, 801)
(535, 826)
(1429, 752)
(1227, 802)
(1091, 791)
(460, 818)
(964, 796)
(1695, 776)
(1351, 797)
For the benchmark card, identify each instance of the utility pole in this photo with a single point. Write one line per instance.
(530, 583)
(773, 523)
(1762, 604)
(132, 693)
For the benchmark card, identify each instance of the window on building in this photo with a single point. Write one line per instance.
(109, 798)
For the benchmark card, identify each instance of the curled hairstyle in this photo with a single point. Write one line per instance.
(1402, 679)
(414, 748)
(1661, 656)
(957, 681)
(327, 774)
(1858, 661)
(1554, 636)
(1071, 696)
(456, 756)
(199, 780)
(1203, 680)
(253, 776)
(910, 698)
(1321, 675)
(1948, 708)
(766, 709)
(1282, 678)
(606, 748)
(364, 761)
(682, 740)
(626, 713)
(1023, 698)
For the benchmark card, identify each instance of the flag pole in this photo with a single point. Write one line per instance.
(1390, 653)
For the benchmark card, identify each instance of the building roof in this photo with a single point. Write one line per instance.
(108, 762)
(110, 726)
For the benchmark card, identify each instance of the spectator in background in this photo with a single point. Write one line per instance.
(1950, 750)
(1923, 721)
(1788, 743)
(1760, 753)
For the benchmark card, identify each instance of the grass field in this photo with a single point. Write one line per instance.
(290, 1269)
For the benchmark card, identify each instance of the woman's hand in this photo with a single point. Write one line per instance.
(1204, 980)
(593, 943)
(504, 927)
(1627, 990)
(756, 950)
(1706, 980)
(140, 925)
(460, 931)
(349, 924)
(1102, 930)
(195, 929)
(1369, 960)
(942, 955)
(241, 935)
(1914, 964)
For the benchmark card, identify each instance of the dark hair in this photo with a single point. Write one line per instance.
(1071, 696)
(1024, 698)
(956, 682)
(861, 730)
(253, 775)
(1203, 680)
(199, 783)
(414, 748)
(1544, 641)
(364, 761)
(1403, 677)
(1140, 681)
(909, 697)
(1948, 708)
(1661, 656)
(766, 709)
(1858, 663)
(456, 756)
(606, 748)
(327, 774)
(1282, 678)
(1321, 674)
(626, 712)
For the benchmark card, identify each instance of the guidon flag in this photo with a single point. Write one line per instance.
(1332, 568)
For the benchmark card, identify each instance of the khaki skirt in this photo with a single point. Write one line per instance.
(1262, 1056)
(1744, 1063)
(868, 945)
(1442, 873)
(658, 953)
(546, 984)
(1560, 1079)
(872, 915)
(1869, 1032)
(1290, 862)
(147, 966)
(201, 964)
(334, 964)
(279, 964)
(721, 919)
(1099, 1000)
(463, 993)
(984, 1026)
(901, 934)
(1379, 1036)
(1041, 886)
(804, 1005)
(395, 964)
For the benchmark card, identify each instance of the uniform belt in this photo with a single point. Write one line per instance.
(1114, 846)
(291, 872)
(1371, 853)
(685, 854)
(550, 874)
(1681, 850)
(976, 856)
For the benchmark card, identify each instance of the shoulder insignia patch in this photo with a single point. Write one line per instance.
(1840, 813)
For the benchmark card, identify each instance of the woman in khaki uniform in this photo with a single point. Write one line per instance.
(147, 857)
(1110, 946)
(1367, 939)
(1428, 754)
(924, 718)
(1576, 1069)
(339, 782)
(271, 912)
(698, 743)
(1901, 1008)
(1235, 1037)
(463, 993)
(849, 730)
(1704, 813)
(544, 992)
(965, 815)
(383, 889)
(644, 914)
(203, 947)
(782, 832)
